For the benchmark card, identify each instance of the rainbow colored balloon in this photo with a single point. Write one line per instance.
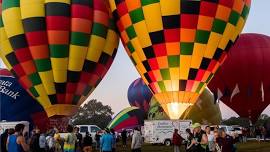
(178, 45)
(58, 49)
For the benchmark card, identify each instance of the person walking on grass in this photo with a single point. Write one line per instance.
(106, 141)
(124, 137)
(70, 140)
(211, 140)
(137, 141)
(177, 141)
(87, 142)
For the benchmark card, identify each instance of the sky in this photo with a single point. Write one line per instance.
(113, 88)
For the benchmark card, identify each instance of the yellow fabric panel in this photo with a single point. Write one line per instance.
(32, 8)
(212, 45)
(239, 27)
(61, 109)
(136, 58)
(112, 5)
(60, 1)
(171, 8)
(6, 47)
(174, 73)
(77, 56)
(44, 101)
(141, 68)
(97, 44)
(152, 17)
(175, 85)
(185, 61)
(168, 85)
(229, 30)
(111, 42)
(60, 76)
(48, 81)
(12, 21)
(142, 34)
(40, 89)
(137, 46)
(59, 63)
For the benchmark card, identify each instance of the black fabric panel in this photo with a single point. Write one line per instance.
(34, 24)
(89, 66)
(73, 76)
(60, 88)
(190, 7)
(57, 9)
(18, 42)
(171, 22)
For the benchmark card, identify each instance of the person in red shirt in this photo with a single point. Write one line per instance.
(177, 141)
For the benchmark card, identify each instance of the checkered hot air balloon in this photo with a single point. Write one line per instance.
(178, 45)
(58, 49)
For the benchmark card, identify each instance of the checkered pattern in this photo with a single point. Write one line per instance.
(59, 49)
(178, 45)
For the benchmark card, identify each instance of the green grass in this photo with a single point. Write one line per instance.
(247, 147)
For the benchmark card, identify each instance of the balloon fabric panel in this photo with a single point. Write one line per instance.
(58, 49)
(178, 45)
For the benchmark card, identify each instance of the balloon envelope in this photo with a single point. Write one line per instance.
(177, 45)
(139, 95)
(128, 118)
(246, 71)
(205, 111)
(58, 50)
(17, 105)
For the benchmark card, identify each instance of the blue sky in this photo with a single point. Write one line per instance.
(113, 88)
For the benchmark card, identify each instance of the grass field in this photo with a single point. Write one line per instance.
(247, 147)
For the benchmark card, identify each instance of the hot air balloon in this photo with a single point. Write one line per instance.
(15, 101)
(58, 49)
(205, 111)
(178, 45)
(139, 95)
(128, 118)
(244, 79)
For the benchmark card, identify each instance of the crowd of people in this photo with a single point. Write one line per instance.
(198, 140)
(13, 140)
(205, 140)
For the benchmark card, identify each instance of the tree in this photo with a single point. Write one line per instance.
(93, 113)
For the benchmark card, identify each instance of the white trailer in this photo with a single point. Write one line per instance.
(161, 131)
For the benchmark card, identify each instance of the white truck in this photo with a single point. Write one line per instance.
(11, 124)
(161, 131)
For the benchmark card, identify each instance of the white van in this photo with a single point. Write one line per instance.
(92, 129)
(161, 131)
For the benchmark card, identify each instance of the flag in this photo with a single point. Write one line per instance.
(217, 96)
(235, 91)
(262, 90)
